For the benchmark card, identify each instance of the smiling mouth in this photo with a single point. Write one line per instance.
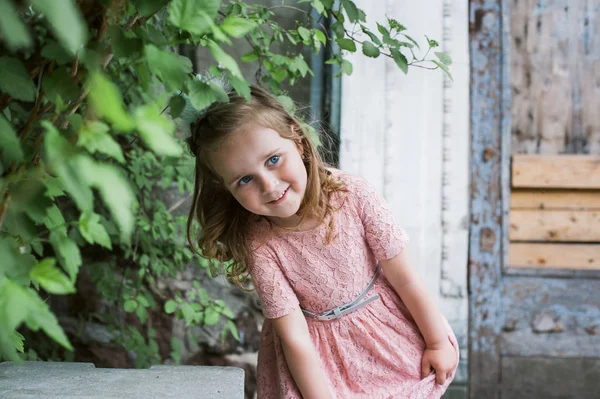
(278, 199)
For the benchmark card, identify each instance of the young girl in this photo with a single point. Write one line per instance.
(346, 314)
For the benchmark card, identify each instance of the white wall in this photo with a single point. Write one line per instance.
(409, 136)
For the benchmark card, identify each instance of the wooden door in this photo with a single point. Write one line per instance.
(534, 253)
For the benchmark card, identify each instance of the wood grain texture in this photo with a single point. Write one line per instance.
(555, 256)
(556, 171)
(555, 69)
(554, 199)
(554, 225)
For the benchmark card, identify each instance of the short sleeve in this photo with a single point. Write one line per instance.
(276, 295)
(385, 238)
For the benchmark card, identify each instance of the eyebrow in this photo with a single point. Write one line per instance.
(268, 155)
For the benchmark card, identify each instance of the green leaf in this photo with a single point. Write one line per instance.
(12, 29)
(15, 80)
(304, 33)
(66, 21)
(250, 56)
(115, 191)
(413, 41)
(60, 157)
(93, 231)
(173, 69)
(396, 25)
(299, 65)
(51, 278)
(318, 5)
(176, 106)
(432, 43)
(123, 46)
(346, 44)
(55, 220)
(37, 206)
(60, 85)
(320, 36)
(18, 304)
(444, 68)
(12, 259)
(219, 92)
(157, 131)
(287, 103)
(193, 16)
(351, 10)
(400, 59)
(241, 86)
(347, 67)
(142, 314)
(338, 29)
(68, 253)
(106, 100)
(188, 313)
(18, 341)
(238, 27)
(372, 36)
(233, 329)
(95, 137)
(444, 58)
(201, 95)
(130, 305)
(10, 147)
(225, 60)
(170, 306)
(148, 7)
(54, 51)
(211, 317)
(370, 50)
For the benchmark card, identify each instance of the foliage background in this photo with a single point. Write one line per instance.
(96, 98)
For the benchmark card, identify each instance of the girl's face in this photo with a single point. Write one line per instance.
(264, 172)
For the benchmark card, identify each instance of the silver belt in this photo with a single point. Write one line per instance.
(349, 307)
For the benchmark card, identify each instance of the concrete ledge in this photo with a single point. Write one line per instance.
(53, 380)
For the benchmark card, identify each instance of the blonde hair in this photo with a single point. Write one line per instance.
(223, 221)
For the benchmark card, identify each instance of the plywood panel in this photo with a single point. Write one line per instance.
(556, 171)
(555, 256)
(573, 226)
(554, 76)
(554, 199)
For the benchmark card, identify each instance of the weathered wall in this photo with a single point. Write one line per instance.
(409, 136)
(555, 76)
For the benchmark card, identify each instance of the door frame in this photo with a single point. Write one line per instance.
(489, 189)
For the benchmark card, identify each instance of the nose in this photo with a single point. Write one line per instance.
(269, 183)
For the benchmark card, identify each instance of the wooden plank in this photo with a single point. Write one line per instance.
(555, 256)
(540, 378)
(556, 171)
(554, 199)
(574, 226)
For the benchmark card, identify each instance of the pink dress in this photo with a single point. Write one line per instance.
(374, 352)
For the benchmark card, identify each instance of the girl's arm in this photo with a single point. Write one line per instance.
(301, 356)
(439, 353)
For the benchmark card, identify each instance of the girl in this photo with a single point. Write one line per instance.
(346, 314)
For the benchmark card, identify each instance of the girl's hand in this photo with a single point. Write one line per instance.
(440, 357)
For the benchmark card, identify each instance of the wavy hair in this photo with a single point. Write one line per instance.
(223, 221)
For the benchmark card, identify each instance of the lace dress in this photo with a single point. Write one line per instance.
(374, 352)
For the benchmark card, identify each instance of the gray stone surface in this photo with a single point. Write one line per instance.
(48, 380)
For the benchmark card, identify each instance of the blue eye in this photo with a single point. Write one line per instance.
(245, 180)
(273, 160)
